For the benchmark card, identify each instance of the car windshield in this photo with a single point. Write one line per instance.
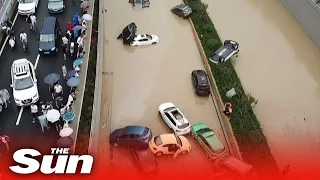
(201, 131)
(46, 37)
(178, 140)
(158, 140)
(183, 126)
(148, 36)
(23, 83)
(27, 1)
(54, 1)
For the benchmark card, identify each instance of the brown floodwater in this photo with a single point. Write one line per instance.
(145, 77)
(279, 65)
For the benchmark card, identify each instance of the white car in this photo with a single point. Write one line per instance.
(144, 39)
(24, 82)
(173, 117)
(27, 7)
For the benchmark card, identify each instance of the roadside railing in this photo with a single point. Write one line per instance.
(7, 8)
(226, 126)
(94, 132)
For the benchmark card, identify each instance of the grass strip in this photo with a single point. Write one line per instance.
(86, 111)
(249, 135)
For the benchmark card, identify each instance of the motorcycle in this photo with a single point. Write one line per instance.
(12, 42)
(72, 49)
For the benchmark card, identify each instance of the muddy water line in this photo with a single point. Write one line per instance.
(280, 65)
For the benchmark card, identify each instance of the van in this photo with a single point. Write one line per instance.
(236, 168)
(49, 36)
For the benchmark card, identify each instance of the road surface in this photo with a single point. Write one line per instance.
(279, 65)
(136, 80)
(17, 122)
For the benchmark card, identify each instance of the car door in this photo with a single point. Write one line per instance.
(145, 41)
(175, 155)
(33, 75)
(169, 120)
(204, 144)
(123, 140)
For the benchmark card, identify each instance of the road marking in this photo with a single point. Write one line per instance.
(5, 41)
(19, 116)
(37, 61)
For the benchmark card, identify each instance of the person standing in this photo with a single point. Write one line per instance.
(34, 112)
(227, 109)
(43, 122)
(58, 91)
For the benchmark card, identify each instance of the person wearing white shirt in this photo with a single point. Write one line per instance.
(34, 112)
(57, 90)
(23, 37)
(33, 19)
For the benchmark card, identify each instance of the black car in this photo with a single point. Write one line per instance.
(49, 36)
(136, 137)
(146, 161)
(182, 10)
(200, 82)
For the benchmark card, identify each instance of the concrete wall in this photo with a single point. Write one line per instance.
(307, 13)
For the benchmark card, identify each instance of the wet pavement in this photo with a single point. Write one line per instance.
(138, 79)
(26, 134)
(279, 65)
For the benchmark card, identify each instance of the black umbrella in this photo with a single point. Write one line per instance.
(65, 142)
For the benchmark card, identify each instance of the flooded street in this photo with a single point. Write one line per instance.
(280, 65)
(142, 78)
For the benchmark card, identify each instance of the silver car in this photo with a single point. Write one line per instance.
(56, 6)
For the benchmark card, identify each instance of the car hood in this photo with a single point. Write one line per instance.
(55, 5)
(26, 93)
(46, 45)
(26, 6)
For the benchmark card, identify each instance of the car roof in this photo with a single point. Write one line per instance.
(235, 163)
(136, 130)
(213, 140)
(144, 155)
(48, 25)
(201, 77)
(21, 67)
(182, 6)
(168, 139)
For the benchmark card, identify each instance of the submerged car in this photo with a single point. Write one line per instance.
(144, 39)
(49, 36)
(224, 53)
(136, 137)
(56, 6)
(169, 144)
(27, 7)
(128, 33)
(208, 141)
(146, 161)
(174, 118)
(24, 83)
(200, 82)
(182, 10)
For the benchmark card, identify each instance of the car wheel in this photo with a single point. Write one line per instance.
(207, 155)
(115, 144)
(184, 152)
(154, 43)
(159, 153)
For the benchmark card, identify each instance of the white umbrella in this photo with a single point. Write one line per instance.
(87, 17)
(66, 131)
(53, 115)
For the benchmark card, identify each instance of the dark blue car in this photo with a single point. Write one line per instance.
(49, 36)
(136, 137)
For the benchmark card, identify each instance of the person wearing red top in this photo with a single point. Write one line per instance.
(70, 26)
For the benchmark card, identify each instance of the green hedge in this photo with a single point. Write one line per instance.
(251, 140)
(86, 111)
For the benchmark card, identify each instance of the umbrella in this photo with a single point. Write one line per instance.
(66, 131)
(84, 4)
(77, 28)
(52, 78)
(73, 82)
(87, 17)
(71, 74)
(65, 142)
(78, 62)
(53, 115)
(69, 116)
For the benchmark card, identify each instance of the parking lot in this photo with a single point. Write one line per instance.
(16, 122)
(136, 80)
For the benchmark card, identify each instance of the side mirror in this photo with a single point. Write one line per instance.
(36, 80)
(11, 85)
